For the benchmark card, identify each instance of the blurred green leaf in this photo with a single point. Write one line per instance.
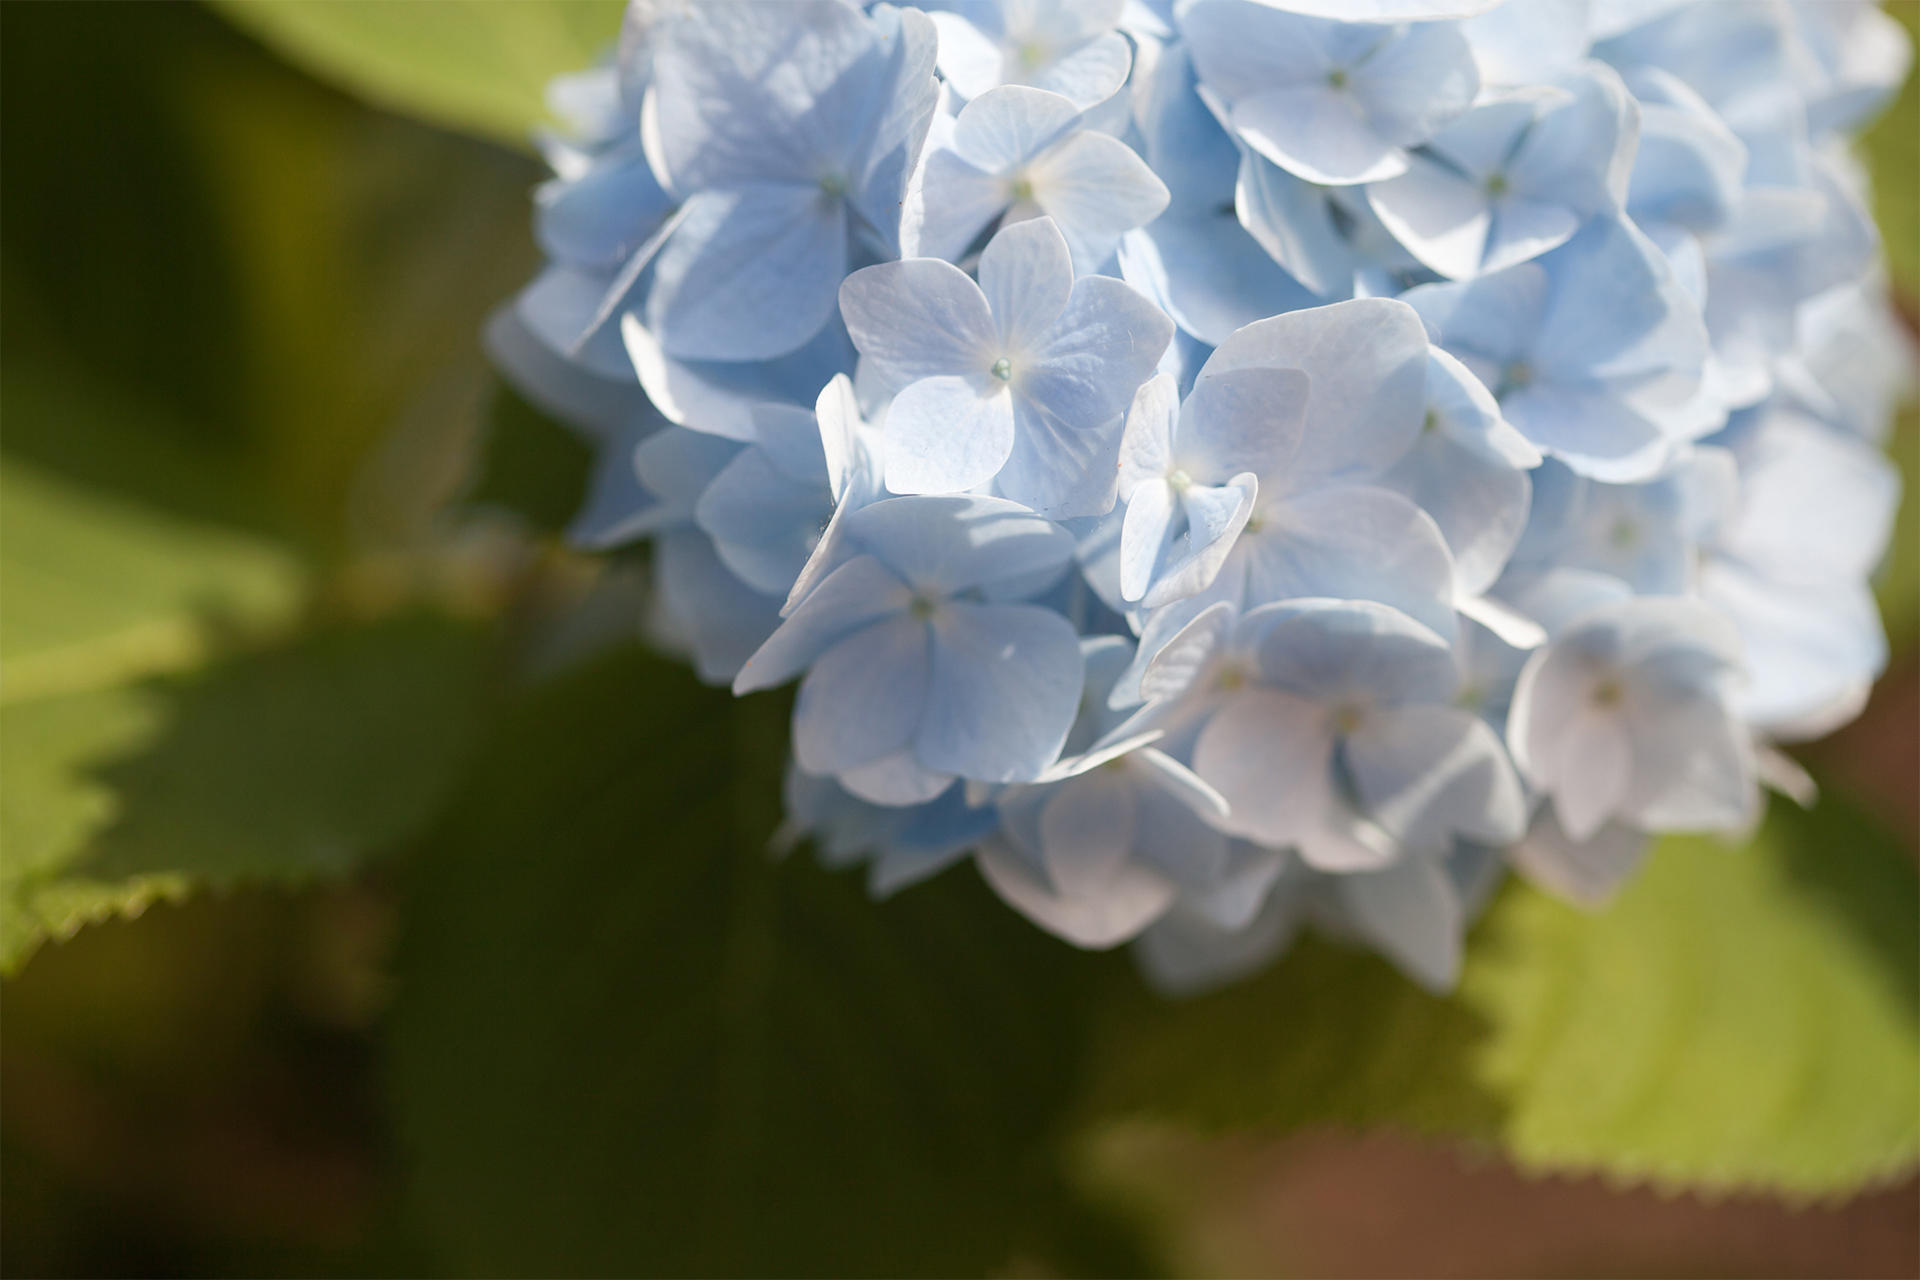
(1893, 158)
(51, 806)
(1891, 155)
(99, 588)
(278, 766)
(1898, 582)
(1740, 1018)
(475, 65)
(254, 388)
(627, 1041)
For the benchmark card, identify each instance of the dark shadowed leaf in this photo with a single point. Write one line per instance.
(629, 1042)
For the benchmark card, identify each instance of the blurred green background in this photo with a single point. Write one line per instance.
(416, 920)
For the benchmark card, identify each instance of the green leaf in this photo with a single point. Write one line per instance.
(475, 65)
(1889, 152)
(276, 767)
(627, 1041)
(100, 588)
(51, 806)
(271, 418)
(1740, 1018)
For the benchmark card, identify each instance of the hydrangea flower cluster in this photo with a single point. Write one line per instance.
(1228, 464)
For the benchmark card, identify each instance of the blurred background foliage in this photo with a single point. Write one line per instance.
(373, 903)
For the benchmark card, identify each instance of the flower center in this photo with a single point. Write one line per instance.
(1625, 534)
(1607, 693)
(1348, 717)
(1337, 78)
(1033, 55)
(1180, 481)
(1515, 376)
(1022, 189)
(1002, 369)
(1497, 185)
(1230, 678)
(834, 185)
(923, 608)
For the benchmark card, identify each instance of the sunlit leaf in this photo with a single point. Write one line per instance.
(478, 65)
(276, 767)
(99, 588)
(1741, 1017)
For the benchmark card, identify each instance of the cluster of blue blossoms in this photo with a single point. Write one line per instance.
(1225, 465)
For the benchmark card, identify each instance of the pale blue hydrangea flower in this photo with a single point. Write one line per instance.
(1415, 913)
(1627, 714)
(1851, 59)
(1016, 153)
(1851, 361)
(1069, 47)
(786, 132)
(1594, 352)
(1021, 380)
(767, 508)
(603, 202)
(1585, 872)
(1689, 167)
(1514, 176)
(1317, 407)
(916, 672)
(1306, 227)
(1376, 11)
(1468, 470)
(1328, 101)
(1789, 564)
(1100, 846)
(1529, 42)
(1329, 726)
(721, 397)
(1196, 260)
(1184, 482)
(705, 607)
(1647, 534)
(1531, 547)
(902, 844)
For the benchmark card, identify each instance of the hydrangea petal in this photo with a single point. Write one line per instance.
(749, 273)
(1005, 685)
(1367, 360)
(1092, 73)
(863, 699)
(1413, 915)
(1123, 906)
(948, 544)
(919, 318)
(856, 594)
(1317, 133)
(1096, 187)
(948, 434)
(1007, 126)
(1269, 754)
(1429, 773)
(1584, 872)
(1358, 542)
(1026, 276)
